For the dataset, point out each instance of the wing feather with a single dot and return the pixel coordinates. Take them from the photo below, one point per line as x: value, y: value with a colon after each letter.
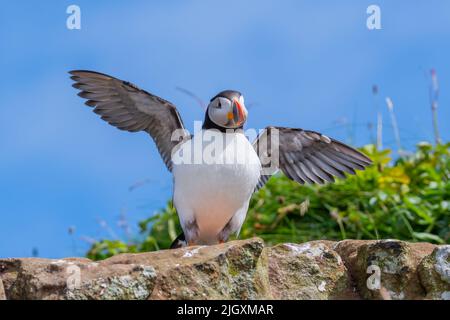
x: 308, y: 156
x: 125, y: 106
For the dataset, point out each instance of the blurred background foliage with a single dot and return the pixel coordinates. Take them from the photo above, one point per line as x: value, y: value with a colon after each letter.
x: 407, y: 199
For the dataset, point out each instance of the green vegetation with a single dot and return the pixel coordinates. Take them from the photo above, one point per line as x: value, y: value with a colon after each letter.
x: 408, y: 199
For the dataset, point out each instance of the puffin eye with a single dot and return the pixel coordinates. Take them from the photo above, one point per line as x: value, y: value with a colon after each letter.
x: 219, y: 105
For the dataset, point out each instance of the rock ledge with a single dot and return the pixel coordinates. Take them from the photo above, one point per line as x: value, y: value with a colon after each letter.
x: 244, y: 269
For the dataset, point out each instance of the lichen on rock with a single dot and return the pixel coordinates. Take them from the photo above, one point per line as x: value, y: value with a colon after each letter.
x: 434, y: 272
x: 307, y: 271
x: 397, y: 262
x: 130, y: 284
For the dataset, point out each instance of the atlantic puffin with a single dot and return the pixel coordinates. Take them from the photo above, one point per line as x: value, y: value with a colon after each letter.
x: 212, y: 197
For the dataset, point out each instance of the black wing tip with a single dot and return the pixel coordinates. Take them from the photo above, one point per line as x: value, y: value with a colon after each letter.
x: 90, y: 103
x: 79, y: 73
x: 364, y: 158
x: 367, y: 160
x: 75, y: 71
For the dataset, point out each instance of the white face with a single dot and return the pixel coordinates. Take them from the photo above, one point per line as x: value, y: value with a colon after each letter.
x: 226, y: 113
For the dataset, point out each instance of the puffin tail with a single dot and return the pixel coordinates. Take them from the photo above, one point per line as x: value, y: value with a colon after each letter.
x: 179, y: 242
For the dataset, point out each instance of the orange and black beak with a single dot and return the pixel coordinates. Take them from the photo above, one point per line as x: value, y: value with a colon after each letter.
x: 239, y: 114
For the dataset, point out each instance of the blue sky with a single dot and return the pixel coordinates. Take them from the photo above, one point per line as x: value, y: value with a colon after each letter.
x: 308, y: 64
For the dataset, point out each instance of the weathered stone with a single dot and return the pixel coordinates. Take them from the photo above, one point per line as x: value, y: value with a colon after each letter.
x: 71, y: 279
x: 307, y: 271
x: 387, y: 269
x: 228, y: 271
x: 434, y: 272
x: 240, y: 270
x: 2, y: 291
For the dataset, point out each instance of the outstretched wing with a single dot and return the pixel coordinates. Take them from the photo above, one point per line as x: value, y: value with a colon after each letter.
x: 306, y: 156
x: 125, y: 106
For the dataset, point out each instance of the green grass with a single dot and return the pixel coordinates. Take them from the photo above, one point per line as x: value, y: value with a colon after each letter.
x: 408, y: 199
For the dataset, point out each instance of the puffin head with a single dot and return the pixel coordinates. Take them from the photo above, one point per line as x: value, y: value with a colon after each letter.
x: 226, y: 110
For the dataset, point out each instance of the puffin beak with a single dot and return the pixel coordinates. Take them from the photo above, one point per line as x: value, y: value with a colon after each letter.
x: 238, y: 113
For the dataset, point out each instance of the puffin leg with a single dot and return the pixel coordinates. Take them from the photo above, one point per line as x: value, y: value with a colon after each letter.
x: 191, y: 233
x: 223, y: 236
x: 233, y: 226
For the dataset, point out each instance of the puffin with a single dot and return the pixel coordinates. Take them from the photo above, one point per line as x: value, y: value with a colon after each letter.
x: 217, y: 170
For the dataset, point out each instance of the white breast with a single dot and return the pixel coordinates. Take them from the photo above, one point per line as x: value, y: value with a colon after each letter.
x: 221, y: 180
